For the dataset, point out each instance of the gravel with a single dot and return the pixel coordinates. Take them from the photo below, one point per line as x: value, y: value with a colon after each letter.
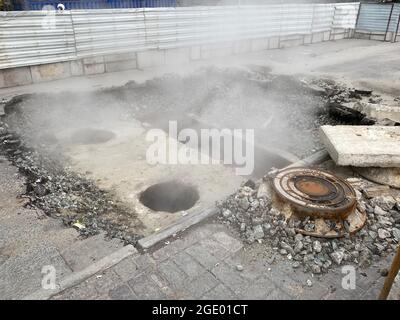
x: 376, y: 239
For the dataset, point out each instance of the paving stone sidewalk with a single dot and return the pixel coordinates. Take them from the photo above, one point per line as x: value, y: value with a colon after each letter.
x: 210, y: 263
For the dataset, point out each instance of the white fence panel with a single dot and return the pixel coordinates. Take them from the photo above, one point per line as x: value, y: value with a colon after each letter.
x: 32, y: 37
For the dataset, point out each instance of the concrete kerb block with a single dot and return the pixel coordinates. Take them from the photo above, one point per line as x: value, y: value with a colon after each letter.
x: 78, y: 277
x: 93, y: 65
x: 177, y: 56
x: 93, y: 60
x: 120, y: 65
x: 51, y: 71
x: 150, y: 58
x: 16, y: 77
x: 273, y: 43
x: 97, y: 68
x: 289, y: 42
x: 127, y: 56
x: 317, y: 37
x: 76, y: 68
x: 376, y: 37
x: 2, y: 82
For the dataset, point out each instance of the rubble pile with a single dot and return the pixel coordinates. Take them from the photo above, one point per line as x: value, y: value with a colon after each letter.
x: 61, y: 193
x: 250, y: 211
x: 347, y: 105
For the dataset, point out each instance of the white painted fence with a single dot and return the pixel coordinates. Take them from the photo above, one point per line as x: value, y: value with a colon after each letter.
x: 34, y: 37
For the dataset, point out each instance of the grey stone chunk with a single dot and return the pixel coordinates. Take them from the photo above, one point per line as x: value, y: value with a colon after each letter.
x: 122, y: 293
x: 396, y: 233
x: 383, y: 233
x: 337, y: 257
x: 258, y: 232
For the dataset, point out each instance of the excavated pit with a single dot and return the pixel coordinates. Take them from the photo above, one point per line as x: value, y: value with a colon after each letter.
x: 85, y: 153
x: 171, y: 196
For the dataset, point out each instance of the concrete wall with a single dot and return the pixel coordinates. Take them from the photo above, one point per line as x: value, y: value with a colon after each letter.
x: 155, y: 58
x: 378, y: 36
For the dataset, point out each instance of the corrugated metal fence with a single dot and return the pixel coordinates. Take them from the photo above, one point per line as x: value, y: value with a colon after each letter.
x: 379, y: 18
x: 34, y: 37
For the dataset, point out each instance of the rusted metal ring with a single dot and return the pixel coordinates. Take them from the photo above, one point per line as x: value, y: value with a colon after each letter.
x: 316, y: 193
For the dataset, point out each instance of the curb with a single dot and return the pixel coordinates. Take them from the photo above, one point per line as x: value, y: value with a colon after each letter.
x: 180, y: 225
x: 77, y: 277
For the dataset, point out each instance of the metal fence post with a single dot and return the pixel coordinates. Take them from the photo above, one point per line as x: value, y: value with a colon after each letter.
x: 73, y: 32
x: 390, y: 18
x: 312, y: 23
x: 397, y: 29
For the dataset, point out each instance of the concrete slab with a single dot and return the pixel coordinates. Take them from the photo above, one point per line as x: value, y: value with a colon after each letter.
x: 363, y: 146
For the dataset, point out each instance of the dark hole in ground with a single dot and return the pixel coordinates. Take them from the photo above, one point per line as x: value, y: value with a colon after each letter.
x: 171, y: 196
x: 91, y: 136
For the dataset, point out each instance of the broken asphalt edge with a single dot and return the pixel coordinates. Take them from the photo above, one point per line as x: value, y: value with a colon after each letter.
x: 79, y: 276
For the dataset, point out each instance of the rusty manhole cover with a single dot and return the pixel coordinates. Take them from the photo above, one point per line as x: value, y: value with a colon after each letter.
x: 329, y: 200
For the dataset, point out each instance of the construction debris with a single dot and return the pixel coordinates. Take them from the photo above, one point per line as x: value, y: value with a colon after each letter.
x: 260, y: 220
x: 363, y: 146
